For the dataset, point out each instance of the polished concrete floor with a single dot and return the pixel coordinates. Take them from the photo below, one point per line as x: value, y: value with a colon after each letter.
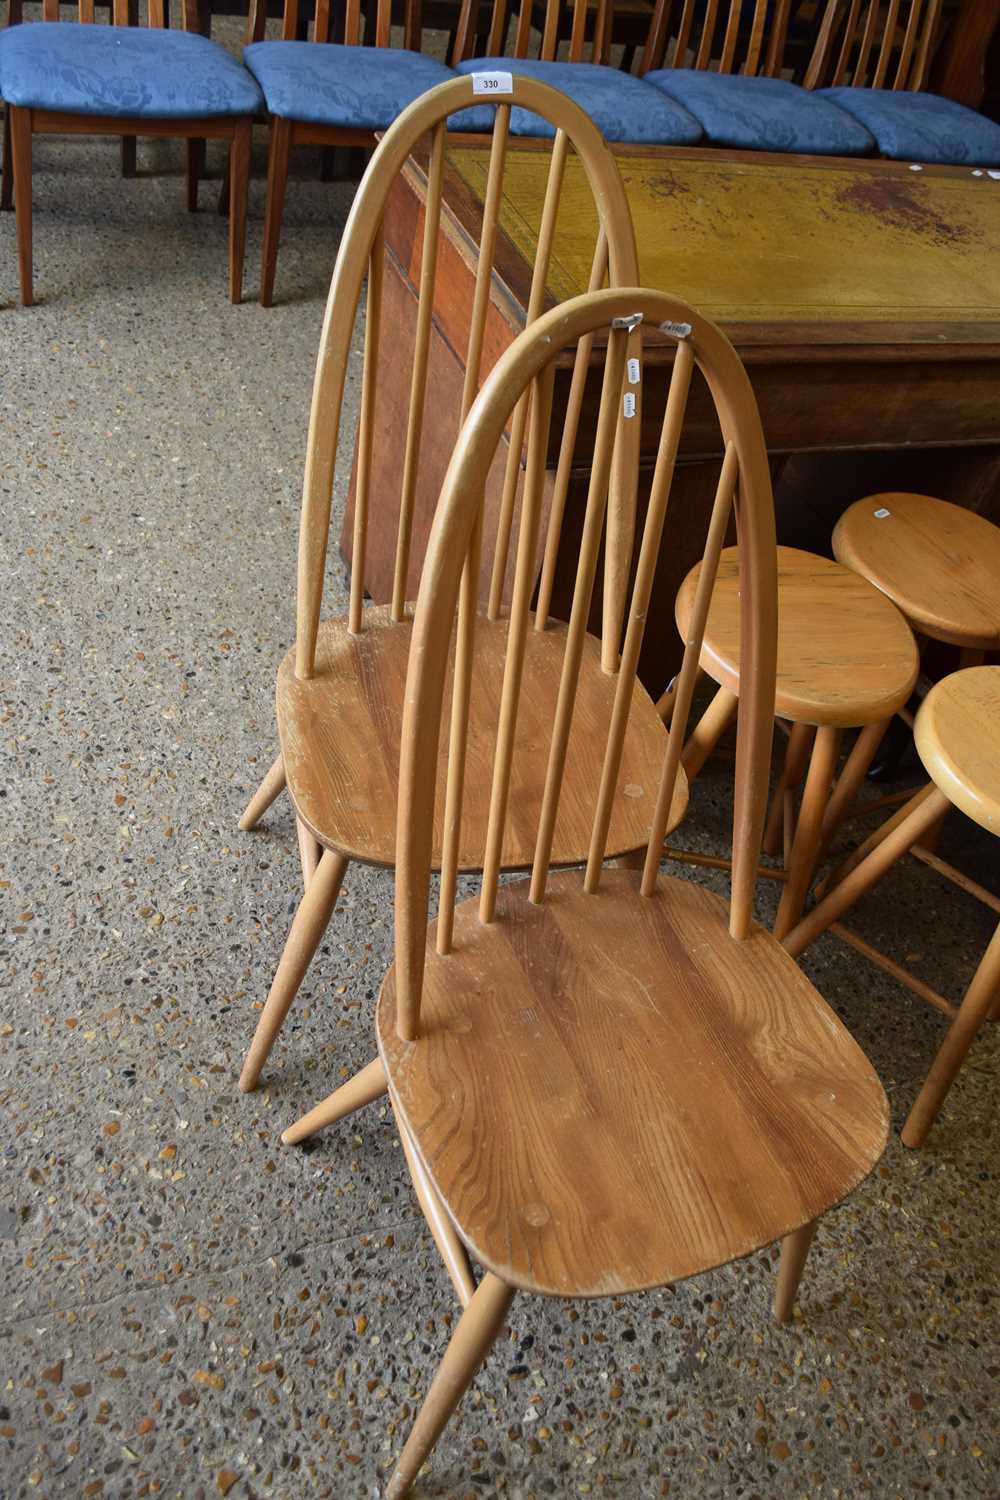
x: 187, y: 1308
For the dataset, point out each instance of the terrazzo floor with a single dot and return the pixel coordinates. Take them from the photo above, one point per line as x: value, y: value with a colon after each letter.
x: 187, y: 1308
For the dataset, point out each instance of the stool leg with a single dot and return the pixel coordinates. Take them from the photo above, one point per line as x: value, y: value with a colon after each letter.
x: 796, y: 756
x: 849, y: 782
x: 978, y: 1002
x: 802, y: 862
x: 708, y: 731
x: 795, y: 1248
x: 873, y: 840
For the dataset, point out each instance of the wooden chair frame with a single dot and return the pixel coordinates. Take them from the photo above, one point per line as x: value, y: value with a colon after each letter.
x: 24, y: 124
x: 857, y: 42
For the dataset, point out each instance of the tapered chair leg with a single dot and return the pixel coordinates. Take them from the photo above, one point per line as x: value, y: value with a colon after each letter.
x: 277, y: 178
x: 239, y: 182
x: 802, y: 860
x: 308, y: 928
x: 310, y: 852
x: 272, y: 786
x: 796, y: 756
x: 130, y: 157
x: 353, y: 1095
x: 195, y: 169
x: 849, y: 782
x: 7, y: 172
x: 974, y: 1010
x: 450, y: 1247
x: 20, y: 142
x: 794, y: 1250
x: 470, y: 1343
x: 708, y: 731
x: 877, y: 836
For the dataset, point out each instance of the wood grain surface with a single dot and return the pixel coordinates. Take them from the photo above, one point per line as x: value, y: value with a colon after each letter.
x: 611, y: 1093
x: 957, y: 734
x: 340, y: 734
x: 938, y: 562
x: 846, y: 656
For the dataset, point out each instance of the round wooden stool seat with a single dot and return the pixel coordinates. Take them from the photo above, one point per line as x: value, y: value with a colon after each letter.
x: 938, y: 562
x: 957, y: 734
x: 846, y: 656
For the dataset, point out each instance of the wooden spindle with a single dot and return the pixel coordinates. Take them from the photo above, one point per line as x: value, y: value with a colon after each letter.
x: 418, y: 382
x: 867, y: 43
x: 670, y: 433
x: 550, y: 32
x: 707, y: 33
x: 541, y: 414
x: 730, y: 38
x: 924, y: 55
x: 597, y: 499
x: 383, y: 23
x: 888, y: 42
x: 690, y: 666
x: 352, y: 23
x: 290, y: 21
x: 366, y: 430
x: 776, y: 44
x: 756, y: 41
x: 847, y: 44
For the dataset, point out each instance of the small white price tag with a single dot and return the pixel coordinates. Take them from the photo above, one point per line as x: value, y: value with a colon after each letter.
x: 629, y: 404
x: 881, y: 513
x: 633, y: 372
x: 492, y: 83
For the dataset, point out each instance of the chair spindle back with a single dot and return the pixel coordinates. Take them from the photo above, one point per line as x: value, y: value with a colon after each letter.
x: 597, y: 20
x: 118, y: 12
x: 878, y: 44
x: 744, y: 36
x: 743, y: 490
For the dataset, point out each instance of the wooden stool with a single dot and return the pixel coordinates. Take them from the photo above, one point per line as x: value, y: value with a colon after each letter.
x: 957, y: 734
x: 846, y: 660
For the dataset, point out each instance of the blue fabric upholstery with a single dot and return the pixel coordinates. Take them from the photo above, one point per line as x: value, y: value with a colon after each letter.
x: 763, y: 114
x: 123, y: 71
x: 921, y: 127
x: 355, y: 88
x: 621, y: 106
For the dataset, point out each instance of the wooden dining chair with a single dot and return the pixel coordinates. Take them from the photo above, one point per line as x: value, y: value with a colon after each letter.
x: 957, y: 734
x: 66, y: 78
x: 724, y: 62
x: 873, y: 60
x: 611, y: 1080
x: 340, y: 691
x: 846, y: 660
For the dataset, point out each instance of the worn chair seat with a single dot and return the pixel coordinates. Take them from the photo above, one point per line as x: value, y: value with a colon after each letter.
x: 340, y: 730
x: 623, y: 107
x: 611, y: 1094
x: 123, y: 71
x: 920, y: 127
x: 753, y: 113
x: 351, y: 88
x: 846, y: 655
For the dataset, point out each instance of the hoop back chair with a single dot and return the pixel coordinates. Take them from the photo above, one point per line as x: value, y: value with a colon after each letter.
x: 121, y: 79
x: 612, y: 1080
x: 340, y: 691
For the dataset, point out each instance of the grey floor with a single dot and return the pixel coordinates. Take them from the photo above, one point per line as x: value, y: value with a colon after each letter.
x: 186, y: 1307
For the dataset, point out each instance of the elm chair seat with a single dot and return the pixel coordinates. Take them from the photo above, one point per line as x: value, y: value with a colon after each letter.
x: 119, y: 71
x: 763, y: 114
x: 921, y: 127
x: 623, y: 107
x: 353, y: 88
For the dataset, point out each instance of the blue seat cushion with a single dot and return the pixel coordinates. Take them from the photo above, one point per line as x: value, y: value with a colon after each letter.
x: 139, y: 72
x: 621, y: 106
x: 354, y: 88
x: 763, y: 114
x: 921, y: 127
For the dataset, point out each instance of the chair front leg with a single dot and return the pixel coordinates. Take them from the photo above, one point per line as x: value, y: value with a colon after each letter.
x: 239, y: 182
x: 7, y: 174
x: 20, y: 141
x: 794, y: 1250
x: 975, y: 1008
x: 470, y: 1343
x: 362, y: 1089
x: 277, y: 179
x: 272, y: 786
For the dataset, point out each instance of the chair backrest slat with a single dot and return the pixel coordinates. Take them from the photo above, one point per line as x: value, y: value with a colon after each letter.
x: 882, y: 43
x: 366, y: 424
x: 751, y: 41
x: 321, y: 21
x: 289, y: 20
x: 50, y: 10
x: 87, y: 13
x: 383, y: 23
x: 352, y: 22
x: 743, y: 489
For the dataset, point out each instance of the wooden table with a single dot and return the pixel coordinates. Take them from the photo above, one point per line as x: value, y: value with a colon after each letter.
x: 864, y: 298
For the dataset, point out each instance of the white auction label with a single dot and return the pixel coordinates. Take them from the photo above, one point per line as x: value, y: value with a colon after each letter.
x: 629, y: 404
x: 881, y: 513
x: 492, y: 83
x: 633, y: 372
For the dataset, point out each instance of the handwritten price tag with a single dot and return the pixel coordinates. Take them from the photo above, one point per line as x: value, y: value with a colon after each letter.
x: 492, y: 83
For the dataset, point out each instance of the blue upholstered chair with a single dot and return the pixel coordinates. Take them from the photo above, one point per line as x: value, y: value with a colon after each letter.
x: 622, y: 107
x: 67, y: 78
x: 321, y: 92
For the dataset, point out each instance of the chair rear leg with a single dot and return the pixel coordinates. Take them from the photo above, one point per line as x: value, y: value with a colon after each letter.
x: 470, y: 1343
x: 272, y: 786
x: 195, y: 171
x: 310, y: 852
x: 975, y: 1008
x: 239, y: 183
x: 364, y: 1088
x: 794, y: 1250
x: 308, y: 927
x: 277, y: 179
x: 20, y: 141
x: 7, y: 173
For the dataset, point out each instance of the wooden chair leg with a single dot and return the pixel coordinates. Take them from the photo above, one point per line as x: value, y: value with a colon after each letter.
x: 796, y: 756
x: 130, y: 159
x: 272, y: 786
x: 20, y: 142
x: 277, y: 179
x: 794, y: 1250
x: 802, y: 860
x: 308, y: 927
x: 708, y: 731
x: 310, y: 852
x: 362, y: 1089
x: 845, y: 792
x: 470, y: 1343
x: 7, y: 171
x: 450, y: 1247
x: 195, y: 169
x: 920, y: 813
x: 239, y: 182
x: 979, y: 1000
